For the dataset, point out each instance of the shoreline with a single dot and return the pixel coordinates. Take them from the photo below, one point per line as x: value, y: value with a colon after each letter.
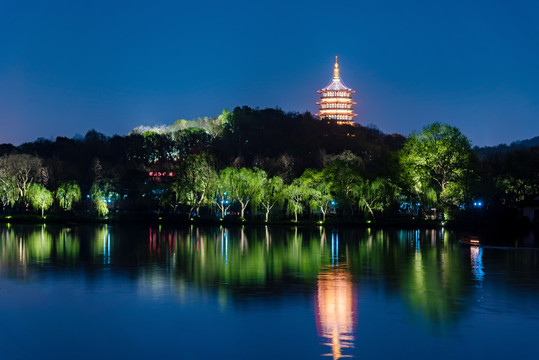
x: 154, y: 219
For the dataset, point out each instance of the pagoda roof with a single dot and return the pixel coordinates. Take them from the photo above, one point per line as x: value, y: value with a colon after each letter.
x: 336, y: 84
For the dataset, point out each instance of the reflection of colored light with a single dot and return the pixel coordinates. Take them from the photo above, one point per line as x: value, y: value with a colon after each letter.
x: 476, y: 255
x: 106, y: 247
x: 336, y: 305
x: 335, y: 249
x: 225, y: 246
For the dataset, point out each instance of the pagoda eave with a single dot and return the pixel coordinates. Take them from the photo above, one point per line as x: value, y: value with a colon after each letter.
x: 349, y: 91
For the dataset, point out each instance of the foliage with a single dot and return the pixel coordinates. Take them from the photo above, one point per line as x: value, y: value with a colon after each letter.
x: 435, y: 168
x: 244, y: 186
x: 319, y: 190
x: 67, y: 194
x: 272, y: 194
x: 8, y: 190
x: 101, y: 206
x: 296, y: 193
x: 221, y: 196
x: 22, y: 169
x: 194, y: 179
x: 103, y: 195
x: 40, y: 197
x: 437, y: 158
x: 344, y: 175
x: 375, y: 195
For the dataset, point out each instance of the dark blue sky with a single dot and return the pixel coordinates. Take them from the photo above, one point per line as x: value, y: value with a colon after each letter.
x: 70, y: 66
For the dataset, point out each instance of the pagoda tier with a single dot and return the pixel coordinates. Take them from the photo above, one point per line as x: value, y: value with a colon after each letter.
x: 336, y: 101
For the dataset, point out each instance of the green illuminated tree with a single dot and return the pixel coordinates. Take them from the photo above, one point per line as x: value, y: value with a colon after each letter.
x: 375, y: 195
x: 220, y: 190
x: 319, y: 190
x: 67, y: 194
x: 272, y: 194
x: 438, y: 158
x: 8, y: 190
x: 244, y: 185
x: 39, y: 197
x: 344, y: 174
x: 296, y: 193
x: 101, y: 206
x: 102, y: 195
x: 195, y: 177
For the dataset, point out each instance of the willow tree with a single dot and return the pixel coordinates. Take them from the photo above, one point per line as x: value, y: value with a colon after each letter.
x: 244, y: 185
x: 220, y: 189
x: 194, y: 180
x: 296, y: 194
x: 101, y: 206
x: 319, y: 193
x: 438, y: 158
x: 67, y: 194
x: 40, y: 197
x: 272, y: 194
x: 375, y: 195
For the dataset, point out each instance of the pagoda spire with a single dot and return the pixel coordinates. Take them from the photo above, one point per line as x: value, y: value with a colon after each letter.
x: 336, y: 69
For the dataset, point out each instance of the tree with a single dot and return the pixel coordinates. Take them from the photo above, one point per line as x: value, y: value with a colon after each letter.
x: 40, y: 197
x: 8, y: 192
x: 243, y: 185
x: 319, y: 193
x: 158, y: 147
x: 296, y: 193
x: 272, y: 193
x: 374, y: 195
x: 438, y: 157
x: 23, y: 169
x: 195, y: 177
x: 102, y: 195
x: 101, y: 206
x: 220, y: 191
x: 344, y: 174
x: 191, y: 140
x: 67, y: 194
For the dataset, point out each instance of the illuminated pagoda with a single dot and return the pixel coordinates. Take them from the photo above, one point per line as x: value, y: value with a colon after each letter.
x: 336, y: 101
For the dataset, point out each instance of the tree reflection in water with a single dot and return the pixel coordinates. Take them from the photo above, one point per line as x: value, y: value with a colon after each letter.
x: 427, y: 270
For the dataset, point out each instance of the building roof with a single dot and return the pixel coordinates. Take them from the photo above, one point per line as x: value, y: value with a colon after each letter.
x: 336, y: 83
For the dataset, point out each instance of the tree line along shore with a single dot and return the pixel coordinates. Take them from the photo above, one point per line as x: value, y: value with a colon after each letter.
x: 262, y: 166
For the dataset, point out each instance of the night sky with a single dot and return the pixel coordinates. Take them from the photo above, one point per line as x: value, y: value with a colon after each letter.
x: 70, y: 66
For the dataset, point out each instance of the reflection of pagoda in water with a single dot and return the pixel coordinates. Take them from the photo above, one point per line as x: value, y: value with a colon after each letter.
x: 336, y: 307
x: 336, y: 101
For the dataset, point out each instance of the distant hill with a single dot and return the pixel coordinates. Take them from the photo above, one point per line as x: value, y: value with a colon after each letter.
x: 483, y: 152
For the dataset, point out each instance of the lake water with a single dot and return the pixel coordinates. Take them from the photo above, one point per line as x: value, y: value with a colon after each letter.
x: 135, y: 292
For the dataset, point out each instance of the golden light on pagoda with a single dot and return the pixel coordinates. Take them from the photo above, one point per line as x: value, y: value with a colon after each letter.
x: 336, y: 310
x: 336, y: 101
